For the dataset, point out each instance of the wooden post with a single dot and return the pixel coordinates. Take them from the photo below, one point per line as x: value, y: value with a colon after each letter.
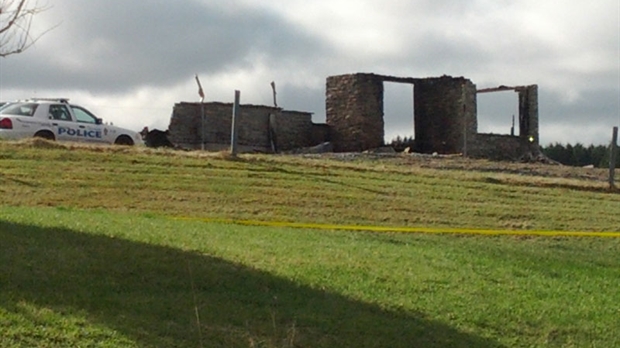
x: 201, y: 93
x: 273, y: 88
x: 233, y: 130
x: 613, y: 149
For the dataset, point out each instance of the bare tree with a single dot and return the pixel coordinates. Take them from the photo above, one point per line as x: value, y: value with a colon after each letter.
x: 15, y: 24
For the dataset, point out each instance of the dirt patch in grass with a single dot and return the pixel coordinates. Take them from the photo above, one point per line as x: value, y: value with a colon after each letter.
x: 457, y: 162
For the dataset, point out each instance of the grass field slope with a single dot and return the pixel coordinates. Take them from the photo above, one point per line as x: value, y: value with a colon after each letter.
x: 93, y: 253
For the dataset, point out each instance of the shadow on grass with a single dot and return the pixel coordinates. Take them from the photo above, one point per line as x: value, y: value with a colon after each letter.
x: 268, y: 168
x: 149, y: 294
x: 602, y: 188
x: 17, y: 181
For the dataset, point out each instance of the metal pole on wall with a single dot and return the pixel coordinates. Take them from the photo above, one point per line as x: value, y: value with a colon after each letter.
x: 233, y: 130
x: 613, y: 149
x: 464, y: 120
x: 201, y: 93
x: 202, y: 117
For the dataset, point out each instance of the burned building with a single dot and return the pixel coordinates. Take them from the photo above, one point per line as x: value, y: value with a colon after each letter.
x: 260, y: 128
x: 445, y: 118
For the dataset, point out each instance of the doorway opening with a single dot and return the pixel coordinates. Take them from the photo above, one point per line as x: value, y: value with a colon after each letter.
x: 398, y: 115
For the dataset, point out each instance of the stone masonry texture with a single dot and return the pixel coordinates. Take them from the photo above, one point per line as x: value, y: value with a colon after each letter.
x: 354, y: 110
x: 445, y: 116
x: 445, y: 120
x: 291, y: 129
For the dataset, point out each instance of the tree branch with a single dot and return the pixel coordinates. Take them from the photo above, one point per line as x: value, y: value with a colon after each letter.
x: 15, y: 25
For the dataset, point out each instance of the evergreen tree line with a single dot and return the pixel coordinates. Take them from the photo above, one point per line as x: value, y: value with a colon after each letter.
x: 579, y: 155
x: 401, y: 143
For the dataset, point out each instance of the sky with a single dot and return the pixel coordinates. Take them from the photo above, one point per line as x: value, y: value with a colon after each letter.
x: 129, y: 62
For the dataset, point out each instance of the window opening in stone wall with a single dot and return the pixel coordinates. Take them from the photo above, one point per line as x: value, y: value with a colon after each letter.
x: 498, y: 112
x: 398, y: 115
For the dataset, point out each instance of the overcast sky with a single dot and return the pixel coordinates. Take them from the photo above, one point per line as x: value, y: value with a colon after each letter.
x: 131, y: 61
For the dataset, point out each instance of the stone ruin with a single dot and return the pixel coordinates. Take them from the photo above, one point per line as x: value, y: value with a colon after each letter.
x: 445, y: 117
x: 260, y: 128
x: 445, y: 120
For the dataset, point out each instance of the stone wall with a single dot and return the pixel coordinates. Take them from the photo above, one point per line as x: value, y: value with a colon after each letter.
x: 528, y: 113
x: 506, y: 147
x: 292, y: 129
x: 445, y: 111
x: 354, y: 111
x: 445, y: 120
x: 495, y: 147
x: 321, y: 133
x: 445, y: 114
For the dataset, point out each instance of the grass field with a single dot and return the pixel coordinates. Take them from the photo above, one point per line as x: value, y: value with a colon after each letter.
x: 90, y: 257
x: 389, y: 192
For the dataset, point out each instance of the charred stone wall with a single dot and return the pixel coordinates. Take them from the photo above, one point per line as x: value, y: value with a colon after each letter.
x: 445, y: 114
x: 291, y: 129
x: 354, y: 111
x: 525, y: 145
x: 321, y: 133
x: 445, y: 120
x: 496, y: 147
x: 528, y: 114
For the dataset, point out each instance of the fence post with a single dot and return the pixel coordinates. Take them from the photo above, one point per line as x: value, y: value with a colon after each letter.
x: 233, y: 130
x: 613, y: 148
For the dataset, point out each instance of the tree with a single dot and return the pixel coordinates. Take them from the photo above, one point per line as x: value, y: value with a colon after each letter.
x: 579, y: 155
x: 15, y: 24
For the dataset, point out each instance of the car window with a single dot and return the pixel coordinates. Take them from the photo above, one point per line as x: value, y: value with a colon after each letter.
x: 83, y: 115
x: 19, y: 109
x: 59, y: 112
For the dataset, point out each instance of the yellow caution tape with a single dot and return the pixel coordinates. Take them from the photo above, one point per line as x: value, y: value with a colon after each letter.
x: 405, y: 229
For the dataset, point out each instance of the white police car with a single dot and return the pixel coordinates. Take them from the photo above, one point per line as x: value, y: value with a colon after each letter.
x: 56, y: 119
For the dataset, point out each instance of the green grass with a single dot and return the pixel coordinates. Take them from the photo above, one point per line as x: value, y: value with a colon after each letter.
x: 88, y: 257
x: 76, y: 278
x: 286, y: 188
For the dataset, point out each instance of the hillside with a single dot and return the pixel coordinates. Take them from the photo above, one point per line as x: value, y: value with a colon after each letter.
x: 125, y: 247
x: 360, y: 189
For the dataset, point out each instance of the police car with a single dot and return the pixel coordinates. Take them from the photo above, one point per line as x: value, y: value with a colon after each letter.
x: 56, y: 119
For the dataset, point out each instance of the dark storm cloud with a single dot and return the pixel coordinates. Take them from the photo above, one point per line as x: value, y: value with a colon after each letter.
x: 302, y: 98
x: 593, y: 106
x: 115, y: 46
x: 110, y: 49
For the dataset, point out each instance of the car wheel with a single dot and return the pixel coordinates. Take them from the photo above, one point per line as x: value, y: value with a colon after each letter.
x: 123, y: 140
x: 47, y: 135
